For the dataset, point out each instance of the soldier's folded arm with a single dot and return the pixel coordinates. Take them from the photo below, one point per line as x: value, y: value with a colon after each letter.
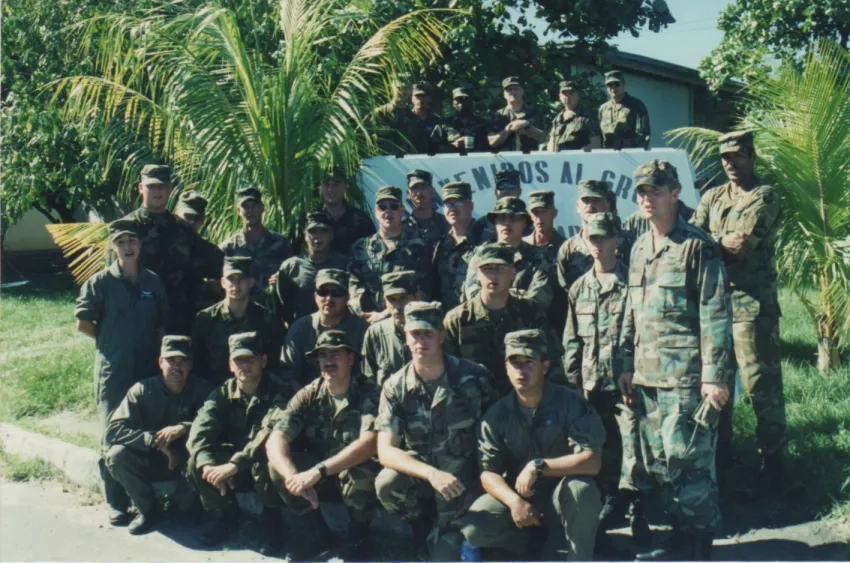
x: 759, y: 218
x: 540, y: 289
x: 715, y: 312
x: 124, y: 427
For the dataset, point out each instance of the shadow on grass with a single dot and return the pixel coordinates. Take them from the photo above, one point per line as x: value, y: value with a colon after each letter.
x: 801, y: 353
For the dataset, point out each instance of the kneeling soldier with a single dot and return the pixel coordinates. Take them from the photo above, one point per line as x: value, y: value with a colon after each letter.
x: 548, y: 441
x: 146, y: 435
x: 226, y: 441
x: 336, y: 416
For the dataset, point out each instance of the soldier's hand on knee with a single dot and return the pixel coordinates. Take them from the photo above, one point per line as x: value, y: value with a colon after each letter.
x: 446, y: 484
x: 716, y: 393
x: 524, y: 515
x: 624, y: 382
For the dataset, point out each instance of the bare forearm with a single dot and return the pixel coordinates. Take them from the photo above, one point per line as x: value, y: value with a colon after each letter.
x: 496, y: 486
x: 277, y: 451
x: 395, y: 458
x: 498, y: 138
x: 583, y: 463
x: 536, y: 134
x: 353, y: 454
x: 88, y: 328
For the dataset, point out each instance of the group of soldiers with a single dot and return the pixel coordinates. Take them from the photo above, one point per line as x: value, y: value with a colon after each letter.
x: 409, y: 123
x: 489, y: 382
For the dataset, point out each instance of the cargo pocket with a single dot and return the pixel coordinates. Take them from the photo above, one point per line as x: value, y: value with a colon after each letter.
x: 672, y: 293
x: 745, y: 307
x: 585, y: 319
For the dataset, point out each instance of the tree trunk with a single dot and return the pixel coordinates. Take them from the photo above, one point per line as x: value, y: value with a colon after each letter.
x: 827, y: 346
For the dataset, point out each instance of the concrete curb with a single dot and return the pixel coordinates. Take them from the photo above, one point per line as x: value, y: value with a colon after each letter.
x: 77, y: 463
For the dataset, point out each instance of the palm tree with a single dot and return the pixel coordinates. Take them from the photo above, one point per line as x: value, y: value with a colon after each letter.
x: 801, y: 120
x: 193, y: 88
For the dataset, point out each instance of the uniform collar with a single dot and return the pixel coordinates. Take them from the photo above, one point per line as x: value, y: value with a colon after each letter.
x: 619, y: 279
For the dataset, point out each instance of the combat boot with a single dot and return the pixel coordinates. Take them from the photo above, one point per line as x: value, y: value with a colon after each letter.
x: 358, y: 544
x: 638, y: 523
x: 271, y: 528
x: 119, y: 518
x: 702, y: 546
x: 319, y: 540
x: 770, y: 478
x: 677, y: 547
x: 145, y: 522
x: 220, y: 530
x: 613, y: 511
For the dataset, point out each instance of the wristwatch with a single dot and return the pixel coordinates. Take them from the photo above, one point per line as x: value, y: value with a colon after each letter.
x: 323, y: 471
x: 539, y: 466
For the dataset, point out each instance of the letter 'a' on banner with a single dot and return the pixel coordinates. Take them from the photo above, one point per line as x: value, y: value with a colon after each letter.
x: 559, y: 172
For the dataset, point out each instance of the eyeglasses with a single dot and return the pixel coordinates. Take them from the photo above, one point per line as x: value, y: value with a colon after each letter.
x: 613, y: 84
x: 336, y: 292
x: 454, y: 204
x: 389, y: 206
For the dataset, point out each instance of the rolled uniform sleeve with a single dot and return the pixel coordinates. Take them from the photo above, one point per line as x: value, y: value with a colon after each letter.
x: 369, y: 410
x: 715, y: 312
x: 391, y: 417
x: 759, y: 218
x: 491, y: 450
x: 291, y: 419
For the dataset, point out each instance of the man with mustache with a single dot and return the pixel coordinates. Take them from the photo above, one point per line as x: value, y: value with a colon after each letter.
x: 430, y: 225
x: 454, y: 251
x: 384, y: 350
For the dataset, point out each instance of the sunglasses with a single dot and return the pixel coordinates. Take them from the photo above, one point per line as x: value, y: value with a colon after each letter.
x: 454, y: 204
x: 614, y: 84
x: 389, y: 206
x: 336, y: 292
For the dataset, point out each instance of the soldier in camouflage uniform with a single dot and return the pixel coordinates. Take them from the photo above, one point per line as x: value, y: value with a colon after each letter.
x: 623, y: 119
x: 192, y: 208
x: 538, y: 450
x: 335, y: 416
x: 170, y: 248
x: 508, y: 184
x: 476, y: 329
x: 743, y: 216
x: 531, y: 263
x: 268, y: 249
x: 236, y: 313
x: 426, y: 435
x: 392, y: 249
x: 674, y: 361
x: 124, y: 309
x: 419, y: 127
x: 541, y: 207
x: 430, y: 225
x: 455, y: 249
x: 465, y: 131
x: 575, y: 128
x: 384, y: 350
x: 596, y: 309
x: 146, y: 435
x: 226, y: 453
x: 637, y: 224
x: 331, y: 298
x: 296, y: 280
x: 517, y: 126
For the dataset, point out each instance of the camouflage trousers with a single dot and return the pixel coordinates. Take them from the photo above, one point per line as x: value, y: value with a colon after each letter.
x: 356, y: 485
x: 137, y: 470
x: 570, y: 507
x: 257, y: 479
x: 756, y: 346
x: 679, y: 455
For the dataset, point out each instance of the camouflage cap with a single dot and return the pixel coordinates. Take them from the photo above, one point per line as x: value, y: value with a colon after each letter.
x: 603, y: 225
x: 248, y: 193
x: 614, y: 76
x: 192, y: 203
x: 507, y: 179
x: 422, y: 89
x: 319, y: 220
x: 245, y: 344
x: 420, y: 315
x: 330, y: 340
x: 510, y: 81
x: 568, y: 85
x: 462, y: 92
x: 529, y: 343
x: 153, y: 174
x: 175, y: 345
x: 457, y: 190
x: 332, y: 276
x: 508, y: 206
x: 541, y: 198
x: 400, y: 283
x: 243, y: 265
x: 418, y: 177
x: 737, y: 141
x: 388, y: 192
x: 656, y: 173
x: 122, y: 227
x: 494, y: 253
x: 594, y: 188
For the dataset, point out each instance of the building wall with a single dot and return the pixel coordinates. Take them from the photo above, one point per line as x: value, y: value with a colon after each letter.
x: 29, y: 234
x: 669, y: 104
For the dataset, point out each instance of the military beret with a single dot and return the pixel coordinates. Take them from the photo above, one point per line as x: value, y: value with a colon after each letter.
x: 122, y: 227
x: 594, y: 188
x: 420, y: 315
x: 248, y: 193
x: 507, y: 179
x: 603, y: 225
x: 422, y: 88
x: 494, y: 253
x: 529, y: 343
x: 568, y: 85
x: 457, y: 190
x: 510, y: 81
x: 332, y: 276
x: 656, y: 173
x: 330, y: 340
x: 737, y: 141
x: 508, y: 206
x: 153, y: 174
x: 245, y: 344
x: 541, y: 198
x: 418, y: 177
x: 319, y: 220
x: 192, y: 203
x: 238, y: 265
x: 614, y: 76
x: 388, y: 192
x: 461, y: 93
x: 174, y: 345
x: 400, y: 283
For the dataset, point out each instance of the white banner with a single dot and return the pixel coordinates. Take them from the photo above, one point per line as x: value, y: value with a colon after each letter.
x: 559, y: 172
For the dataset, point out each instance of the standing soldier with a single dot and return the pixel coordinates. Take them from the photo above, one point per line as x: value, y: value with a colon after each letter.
x: 674, y: 354
x: 637, y: 224
x: 623, y: 119
x: 426, y: 435
x: 335, y: 417
x: 392, y: 249
x: 124, y: 308
x: 575, y: 128
x: 596, y: 310
x: 235, y: 314
x: 538, y: 450
x: 507, y: 185
x: 384, y: 351
x: 419, y: 126
x: 267, y: 249
x: 541, y: 207
x: 192, y: 208
x: 455, y: 249
x: 147, y: 433
x: 743, y: 216
x: 226, y: 453
x: 465, y: 131
x: 296, y: 280
x: 430, y: 225
x: 516, y: 127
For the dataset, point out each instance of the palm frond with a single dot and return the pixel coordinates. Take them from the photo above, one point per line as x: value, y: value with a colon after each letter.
x: 84, y: 244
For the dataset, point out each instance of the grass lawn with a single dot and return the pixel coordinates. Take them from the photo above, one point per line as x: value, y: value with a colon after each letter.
x: 47, y: 368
